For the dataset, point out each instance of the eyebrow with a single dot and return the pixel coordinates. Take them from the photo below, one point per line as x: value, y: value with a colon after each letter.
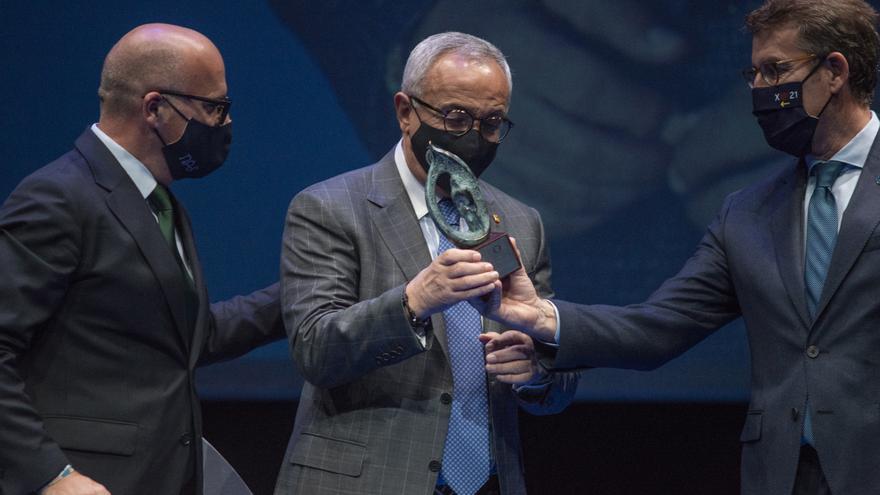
x: 479, y: 115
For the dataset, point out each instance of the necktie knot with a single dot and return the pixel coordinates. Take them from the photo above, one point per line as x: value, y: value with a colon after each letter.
x: 827, y: 172
x: 450, y: 213
x: 160, y: 199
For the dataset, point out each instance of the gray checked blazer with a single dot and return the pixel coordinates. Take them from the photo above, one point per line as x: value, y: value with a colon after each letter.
x: 375, y: 407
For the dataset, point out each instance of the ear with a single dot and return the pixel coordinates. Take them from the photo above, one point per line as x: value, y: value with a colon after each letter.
x: 150, y: 105
x: 839, y: 67
x: 406, y: 117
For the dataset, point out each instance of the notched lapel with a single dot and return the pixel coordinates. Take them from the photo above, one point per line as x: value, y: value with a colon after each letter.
x: 786, y: 224
x: 126, y: 203
x: 133, y: 213
x: 393, y: 217
x: 859, y: 221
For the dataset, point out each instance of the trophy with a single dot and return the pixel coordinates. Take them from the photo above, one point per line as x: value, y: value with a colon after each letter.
x: 464, y: 191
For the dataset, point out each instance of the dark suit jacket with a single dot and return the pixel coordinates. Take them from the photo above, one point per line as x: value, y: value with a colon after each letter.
x: 96, y: 357
x: 375, y: 407
x: 751, y: 263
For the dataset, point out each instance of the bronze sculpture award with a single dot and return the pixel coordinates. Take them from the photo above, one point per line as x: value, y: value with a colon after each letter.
x: 463, y: 189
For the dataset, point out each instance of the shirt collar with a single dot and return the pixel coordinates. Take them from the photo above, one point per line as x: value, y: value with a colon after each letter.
x: 414, y: 189
x: 140, y: 175
x: 855, y: 153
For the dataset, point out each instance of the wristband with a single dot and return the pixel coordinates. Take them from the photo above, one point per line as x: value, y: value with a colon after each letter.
x: 414, y: 321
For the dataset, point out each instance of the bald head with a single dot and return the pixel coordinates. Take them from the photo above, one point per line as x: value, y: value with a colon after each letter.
x: 150, y: 57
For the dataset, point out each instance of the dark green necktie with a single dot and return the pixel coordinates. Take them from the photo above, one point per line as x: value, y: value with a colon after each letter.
x: 160, y: 201
x: 164, y: 209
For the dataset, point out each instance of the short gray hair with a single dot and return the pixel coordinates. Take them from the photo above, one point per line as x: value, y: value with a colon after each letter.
x: 423, y: 56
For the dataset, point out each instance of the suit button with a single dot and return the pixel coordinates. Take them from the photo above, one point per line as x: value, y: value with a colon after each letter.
x: 186, y: 439
x: 812, y: 352
x: 795, y: 413
x: 445, y: 398
x: 435, y: 466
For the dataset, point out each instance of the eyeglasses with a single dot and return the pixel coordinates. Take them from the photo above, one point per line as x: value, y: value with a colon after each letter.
x: 458, y: 122
x: 217, y: 108
x: 772, y: 72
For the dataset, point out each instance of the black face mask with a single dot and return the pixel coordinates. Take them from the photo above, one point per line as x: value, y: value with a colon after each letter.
x: 781, y: 115
x: 471, y: 147
x: 201, y: 149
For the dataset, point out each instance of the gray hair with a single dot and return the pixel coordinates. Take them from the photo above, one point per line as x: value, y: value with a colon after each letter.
x: 423, y: 56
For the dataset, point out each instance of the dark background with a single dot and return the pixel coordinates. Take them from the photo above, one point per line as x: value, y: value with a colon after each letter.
x: 632, y: 124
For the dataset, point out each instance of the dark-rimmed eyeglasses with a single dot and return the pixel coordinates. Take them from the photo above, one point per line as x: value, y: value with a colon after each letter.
x: 217, y: 108
x: 772, y: 72
x: 458, y: 122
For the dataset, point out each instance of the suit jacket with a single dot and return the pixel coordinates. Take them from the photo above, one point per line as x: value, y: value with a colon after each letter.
x: 375, y: 407
x: 751, y: 263
x: 97, y: 359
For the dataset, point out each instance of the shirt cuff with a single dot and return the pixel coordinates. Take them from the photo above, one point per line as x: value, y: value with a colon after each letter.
x: 423, y: 339
x: 67, y: 471
x: 540, y: 382
x: 555, y: 342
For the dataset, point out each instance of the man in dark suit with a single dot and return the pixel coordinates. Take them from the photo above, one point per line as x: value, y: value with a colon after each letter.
x: 104, y: 314
x: 797, y: 255
x: 396, y: 399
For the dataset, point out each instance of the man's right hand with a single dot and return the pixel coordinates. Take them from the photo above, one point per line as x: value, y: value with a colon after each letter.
x: 454, y: 276
x: 75, y: 484
x: 516, y: 304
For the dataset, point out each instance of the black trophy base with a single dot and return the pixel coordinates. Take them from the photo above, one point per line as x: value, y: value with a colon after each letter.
x: 498, y: 250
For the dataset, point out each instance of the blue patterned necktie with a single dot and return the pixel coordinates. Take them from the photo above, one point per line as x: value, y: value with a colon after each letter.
x: 466, y: 460
x: 821, y: 238
x: 821, y: 231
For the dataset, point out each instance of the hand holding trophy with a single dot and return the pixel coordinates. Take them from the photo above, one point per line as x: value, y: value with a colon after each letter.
x: 454, y: 177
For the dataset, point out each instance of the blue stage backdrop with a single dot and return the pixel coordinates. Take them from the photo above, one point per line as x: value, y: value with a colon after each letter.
x: 632, y: 124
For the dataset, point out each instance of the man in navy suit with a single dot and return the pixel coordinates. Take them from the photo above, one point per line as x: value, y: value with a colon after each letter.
x: 104, y: 314
x: 797, y: 255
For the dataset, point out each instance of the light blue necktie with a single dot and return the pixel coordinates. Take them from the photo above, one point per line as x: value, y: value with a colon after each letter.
x: 466, y: 460
x: 821, y: 238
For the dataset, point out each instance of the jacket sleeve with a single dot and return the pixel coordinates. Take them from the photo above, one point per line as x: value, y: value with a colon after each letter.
x: 682, y: 312
x: 243, y: 323
x: 557, y: 389
x: 39, y: 250
x: 334, y: 336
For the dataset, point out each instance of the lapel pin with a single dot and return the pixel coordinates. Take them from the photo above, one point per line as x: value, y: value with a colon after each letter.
x: 497, y: 219
x: 877, y: 180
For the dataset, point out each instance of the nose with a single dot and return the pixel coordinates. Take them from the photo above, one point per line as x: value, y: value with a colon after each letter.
x: 758, y: 81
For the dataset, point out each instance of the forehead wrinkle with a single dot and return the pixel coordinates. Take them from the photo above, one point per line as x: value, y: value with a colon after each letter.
x: 475, y: 85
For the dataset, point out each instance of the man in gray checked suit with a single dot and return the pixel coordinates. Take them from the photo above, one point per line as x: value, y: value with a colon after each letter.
x: 375, y: 302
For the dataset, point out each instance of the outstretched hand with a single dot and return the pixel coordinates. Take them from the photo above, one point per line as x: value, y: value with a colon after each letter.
x: 515, y: 303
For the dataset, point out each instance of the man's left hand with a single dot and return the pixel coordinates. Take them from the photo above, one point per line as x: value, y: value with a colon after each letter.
x: 510, y: 356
